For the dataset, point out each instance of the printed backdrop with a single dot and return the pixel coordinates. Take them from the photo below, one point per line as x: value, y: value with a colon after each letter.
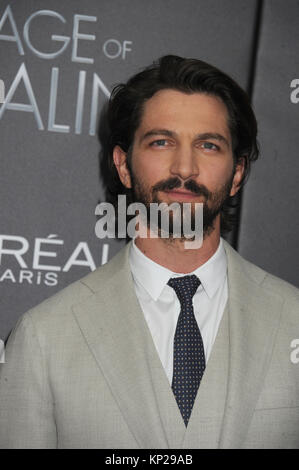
x: 59, y: 61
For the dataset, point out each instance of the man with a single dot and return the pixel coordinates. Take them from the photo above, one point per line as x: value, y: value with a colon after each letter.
x: 163, y: 347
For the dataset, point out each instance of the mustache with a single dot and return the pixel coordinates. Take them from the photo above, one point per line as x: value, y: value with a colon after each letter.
x: 175, y: 183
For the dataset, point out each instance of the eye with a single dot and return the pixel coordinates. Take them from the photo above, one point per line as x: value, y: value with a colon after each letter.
x: 159, y: 143
x: 210, y: 146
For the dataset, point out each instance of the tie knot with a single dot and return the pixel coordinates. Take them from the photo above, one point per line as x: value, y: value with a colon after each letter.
x: 184, y: 287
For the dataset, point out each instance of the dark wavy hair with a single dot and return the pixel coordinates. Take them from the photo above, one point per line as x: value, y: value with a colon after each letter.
x: 127, y: 102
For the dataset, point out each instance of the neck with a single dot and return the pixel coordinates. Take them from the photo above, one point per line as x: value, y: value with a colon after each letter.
x: 174, y: 256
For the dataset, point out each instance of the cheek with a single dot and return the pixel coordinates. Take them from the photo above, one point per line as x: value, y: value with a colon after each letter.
x: 217, y: 173
x: 143, y: 179
x: 149, y: 170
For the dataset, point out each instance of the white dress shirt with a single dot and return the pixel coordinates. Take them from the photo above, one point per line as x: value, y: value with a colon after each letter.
x: 161, y: 306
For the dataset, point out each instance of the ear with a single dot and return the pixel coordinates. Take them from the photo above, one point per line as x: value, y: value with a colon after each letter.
x: 120, y: 161
x: 239, y: 171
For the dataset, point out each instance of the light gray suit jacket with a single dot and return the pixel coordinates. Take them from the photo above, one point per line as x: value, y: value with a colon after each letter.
x: 82, y: 371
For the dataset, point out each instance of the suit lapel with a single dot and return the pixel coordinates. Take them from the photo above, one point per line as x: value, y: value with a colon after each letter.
x: 116, y: 332
x: 254, y: 315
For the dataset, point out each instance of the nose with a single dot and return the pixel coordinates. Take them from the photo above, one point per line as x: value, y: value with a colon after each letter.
x: 184, y: 163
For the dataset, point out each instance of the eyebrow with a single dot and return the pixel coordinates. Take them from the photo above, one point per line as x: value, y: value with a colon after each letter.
x: 168, y: 133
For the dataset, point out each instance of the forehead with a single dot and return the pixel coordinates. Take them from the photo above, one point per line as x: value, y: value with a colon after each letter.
x: 182, y: 112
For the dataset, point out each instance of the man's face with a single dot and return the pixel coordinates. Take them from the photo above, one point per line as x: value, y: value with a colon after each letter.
x: 182, y: 152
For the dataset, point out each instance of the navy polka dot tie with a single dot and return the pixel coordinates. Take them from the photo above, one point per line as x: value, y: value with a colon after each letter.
x: 188, y: 351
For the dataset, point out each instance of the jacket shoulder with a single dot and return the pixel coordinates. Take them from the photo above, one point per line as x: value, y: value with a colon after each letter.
x: 280, y: 289
x: 60, y: 304
x: 271, y: 282
x: 260, y: 276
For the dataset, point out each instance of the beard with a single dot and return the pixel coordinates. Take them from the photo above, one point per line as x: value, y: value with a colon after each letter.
x: 213, y: 202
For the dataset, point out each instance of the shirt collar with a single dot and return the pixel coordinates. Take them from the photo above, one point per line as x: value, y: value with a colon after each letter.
x: 154, y: 277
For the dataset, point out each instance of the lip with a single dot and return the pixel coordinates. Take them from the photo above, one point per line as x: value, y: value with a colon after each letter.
x: 181, y: 194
